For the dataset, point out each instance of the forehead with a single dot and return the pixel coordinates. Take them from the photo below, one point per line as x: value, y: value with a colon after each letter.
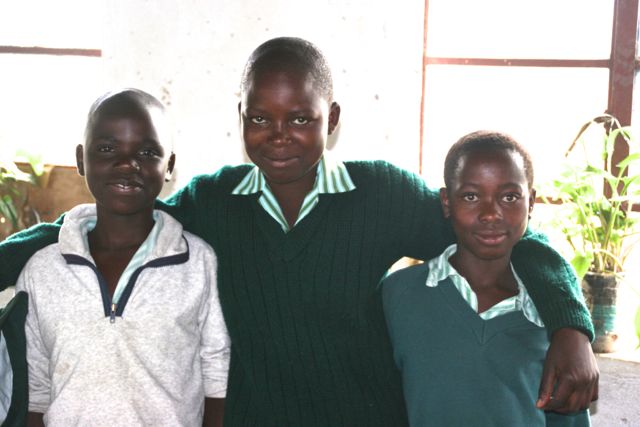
x: 151, y: 117
x: 507, y: 165
x: 146, y: 120
x: 292, y: 80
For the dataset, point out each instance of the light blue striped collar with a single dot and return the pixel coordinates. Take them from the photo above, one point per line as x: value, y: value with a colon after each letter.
x: 138, y: 258
x: 331, y: 177
x: 440, y: 269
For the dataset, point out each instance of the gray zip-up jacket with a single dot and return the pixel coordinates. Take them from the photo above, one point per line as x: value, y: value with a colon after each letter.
x: 151, y: 360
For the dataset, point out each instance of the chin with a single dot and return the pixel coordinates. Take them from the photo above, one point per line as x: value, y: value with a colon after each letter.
x: 493, y: 255
x: 126, y: 209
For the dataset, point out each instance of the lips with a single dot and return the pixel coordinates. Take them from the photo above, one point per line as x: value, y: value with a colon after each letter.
x: 280, y: 161
x: 491, y: 238
x: 125, y: 186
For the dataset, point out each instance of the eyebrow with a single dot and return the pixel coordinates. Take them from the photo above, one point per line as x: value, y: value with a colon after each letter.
x: 504, y: 185
x: 111, y: 138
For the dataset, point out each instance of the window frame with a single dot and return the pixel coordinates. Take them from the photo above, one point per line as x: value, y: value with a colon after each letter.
x: 622, y: 65
x: 38, y: 50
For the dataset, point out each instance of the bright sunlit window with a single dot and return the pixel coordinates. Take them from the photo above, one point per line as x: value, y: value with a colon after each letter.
x: 51, y: 72
x: 536, y: 70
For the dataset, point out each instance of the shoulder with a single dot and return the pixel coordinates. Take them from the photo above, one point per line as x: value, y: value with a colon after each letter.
x: 223, y: 180
x: 381, y: 173
x: 402, y: 283
x: 173, y: 233
x: 373, y: 167
x: 198, y: 246
x: 42, y: 266
x: 44, y: 257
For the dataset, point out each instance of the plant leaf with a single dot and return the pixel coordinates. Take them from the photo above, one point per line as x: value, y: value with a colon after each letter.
x: 581, y: 263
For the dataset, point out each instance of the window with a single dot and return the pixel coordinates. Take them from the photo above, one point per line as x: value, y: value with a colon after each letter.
x: 54, y: 57
x: 538, y: 74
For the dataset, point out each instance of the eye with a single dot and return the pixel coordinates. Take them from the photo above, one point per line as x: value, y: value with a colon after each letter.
x: 511, y: 197
x: 105, y: 148
x: 469, y: 197
x: 258, y: 120
x: 300, y: 121
x: 149, y: 152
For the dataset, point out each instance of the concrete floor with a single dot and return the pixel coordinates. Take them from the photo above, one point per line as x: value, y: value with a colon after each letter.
x: 619, y: 402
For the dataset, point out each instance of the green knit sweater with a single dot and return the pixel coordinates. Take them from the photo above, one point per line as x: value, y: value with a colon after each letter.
x: 309, y: 341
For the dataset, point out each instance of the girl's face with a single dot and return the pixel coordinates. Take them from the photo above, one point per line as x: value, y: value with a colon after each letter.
x: 285, y: 123
x: 489, y: 203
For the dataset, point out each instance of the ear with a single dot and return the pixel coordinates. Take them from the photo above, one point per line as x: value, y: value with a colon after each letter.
x: 532, y: 200
x: 80, y: 159
x: 334, y: 116
x: 170, y: 166
x: 444, y: 199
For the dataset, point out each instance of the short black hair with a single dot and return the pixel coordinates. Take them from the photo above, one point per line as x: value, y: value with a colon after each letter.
x: 290, y: 53
x: 122, y: 102
x: 484, y: 141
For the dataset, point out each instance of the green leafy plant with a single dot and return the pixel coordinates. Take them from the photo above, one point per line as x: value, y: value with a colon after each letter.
x: 15, y: 211
x: 597, y: 197
x: 600, y: 228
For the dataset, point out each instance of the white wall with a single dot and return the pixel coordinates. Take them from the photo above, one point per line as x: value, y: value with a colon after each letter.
x: 194, y: 51
x: 191, y: 54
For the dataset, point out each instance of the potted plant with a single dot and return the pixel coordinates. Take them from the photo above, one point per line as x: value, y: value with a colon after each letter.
x: 596, y: 215
x: 15, y: 211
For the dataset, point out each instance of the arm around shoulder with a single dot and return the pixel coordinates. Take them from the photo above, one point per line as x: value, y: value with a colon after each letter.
x: 194, y: 203
x: 570, y: 375
x: 16, y: 250
x: 552, y: 285
x: 415, y: 210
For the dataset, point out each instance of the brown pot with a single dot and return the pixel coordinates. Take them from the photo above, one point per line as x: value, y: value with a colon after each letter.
x: 601, y: 293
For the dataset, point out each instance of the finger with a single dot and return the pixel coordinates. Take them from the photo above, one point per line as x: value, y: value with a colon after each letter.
x: 578, y: 399
x: 546, y: 387
x: 582, y: 396
x: 560, y: 396
x: 596, y: 390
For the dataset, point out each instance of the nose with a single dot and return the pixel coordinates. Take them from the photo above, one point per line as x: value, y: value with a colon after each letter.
x: 279, y: 133
x: 127, y: 164
x: 490, y: 211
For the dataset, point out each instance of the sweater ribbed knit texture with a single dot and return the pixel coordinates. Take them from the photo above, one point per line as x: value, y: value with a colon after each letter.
x: 309, y: 343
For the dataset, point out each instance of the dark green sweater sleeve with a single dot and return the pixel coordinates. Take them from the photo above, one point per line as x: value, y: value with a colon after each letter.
x: 184, y: 204
x: 190, y: 206
x: 16, y: 250
x: 195, y: 203
x: 548, y: 277
x: 551, y: 283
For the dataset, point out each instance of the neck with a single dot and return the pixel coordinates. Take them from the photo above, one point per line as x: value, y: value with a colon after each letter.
x: 290, y: 195
x: 484, y: 274
x: 120, y: 232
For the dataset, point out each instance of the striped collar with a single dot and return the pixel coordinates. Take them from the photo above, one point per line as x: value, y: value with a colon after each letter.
x: 440, y: 269
x: 85, y: 218
x: 331, y: 177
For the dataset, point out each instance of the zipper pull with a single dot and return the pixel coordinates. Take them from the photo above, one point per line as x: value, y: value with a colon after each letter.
x: 112, y: 317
